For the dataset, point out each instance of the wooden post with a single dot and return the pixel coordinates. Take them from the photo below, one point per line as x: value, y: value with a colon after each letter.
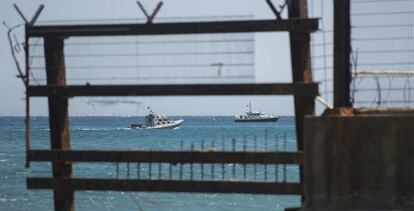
x: 301, y: 70
x: 58, y: 118
x: 342, y: 51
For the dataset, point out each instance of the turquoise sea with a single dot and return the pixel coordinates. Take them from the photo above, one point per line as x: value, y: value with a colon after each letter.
x: 114, y: 133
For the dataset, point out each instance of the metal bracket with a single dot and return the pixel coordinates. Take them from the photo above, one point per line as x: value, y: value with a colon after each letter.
x: 35, y: 16
x: 16, y: 47
x: 220, y: 66
x: 20, y: 13
x: 151, y: 17
x: 275, y: 11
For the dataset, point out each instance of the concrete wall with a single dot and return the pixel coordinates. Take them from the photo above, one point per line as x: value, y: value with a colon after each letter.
x: 359, y: 161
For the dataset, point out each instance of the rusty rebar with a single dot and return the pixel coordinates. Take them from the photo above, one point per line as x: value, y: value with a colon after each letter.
x: 223, y: 149
x: 127, y: 170
x: 233, y: 143
x: 138, y: 170
x: 150, y: 170
x: 191, y: 164
x: 276, y: 165
x: 159, y: 171
x: 117, y: 170
x: 244, y: 150
x: 265, y: 149
x: 181, y: 165
x: 212, y: 165
x: 202, y: 165
x: 255, y: 149
x: 170, y: 172
x: 284, y: 165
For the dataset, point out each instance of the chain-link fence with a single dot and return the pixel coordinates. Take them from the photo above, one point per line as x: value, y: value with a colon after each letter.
x: 382, y: 39
x: 161, y: 59
x: 322, y: 47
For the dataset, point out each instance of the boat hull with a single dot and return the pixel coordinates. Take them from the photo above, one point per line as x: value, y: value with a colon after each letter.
x: 271, y: 119
x: 174, y: 124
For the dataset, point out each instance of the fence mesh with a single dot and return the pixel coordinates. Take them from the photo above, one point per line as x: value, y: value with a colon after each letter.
x: 322, y: 47
x: 382, y: 59
x: 161, y: 59
x: 382, y: 55
x: 382, y: 39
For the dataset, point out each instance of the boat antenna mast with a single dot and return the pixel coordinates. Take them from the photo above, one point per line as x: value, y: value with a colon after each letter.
x: 250, y: 107
x: 149, y: 110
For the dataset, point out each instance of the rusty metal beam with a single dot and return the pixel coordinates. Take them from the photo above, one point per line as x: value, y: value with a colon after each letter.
x: 167, y: 156
x: 301, y: 67
x: 165, y: 186
x: 342, y: 53
x: 58, y: 118
x: 299, y: 89
x: 301, y: 72
x: 303, y: 25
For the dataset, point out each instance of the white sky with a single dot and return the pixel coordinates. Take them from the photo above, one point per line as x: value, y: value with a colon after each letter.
x: 272, y: 57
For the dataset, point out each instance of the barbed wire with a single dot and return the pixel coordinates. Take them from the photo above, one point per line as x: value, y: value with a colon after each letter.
x: 383, y: 52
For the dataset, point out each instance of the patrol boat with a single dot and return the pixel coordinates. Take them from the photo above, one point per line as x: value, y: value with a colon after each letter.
x: 153, y: 121
x: 255, y: 116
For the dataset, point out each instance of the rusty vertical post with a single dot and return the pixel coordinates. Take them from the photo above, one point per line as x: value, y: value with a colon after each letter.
x: 301, y: 70
x: 342, y: 52
x: 27, y: 121
x: 58, y: 118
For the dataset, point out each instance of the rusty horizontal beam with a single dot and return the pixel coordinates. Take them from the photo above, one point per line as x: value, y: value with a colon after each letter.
x: 166, y: 156
x: 298, y: 89
x: 303, y: 25
x: 164, y: 186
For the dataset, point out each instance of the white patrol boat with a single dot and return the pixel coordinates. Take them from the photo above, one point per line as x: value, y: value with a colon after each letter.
x: 255, y: 116
x: 153, y: 121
